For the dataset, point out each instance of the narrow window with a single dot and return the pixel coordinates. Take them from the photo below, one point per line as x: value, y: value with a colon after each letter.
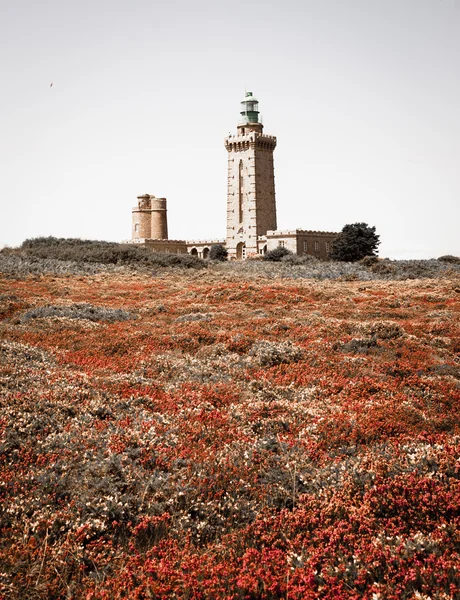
x: 305, y: 247
x: 328, y: 247
x: 136, y: 227
x: 241, y: 192
x: 281, y: 243
x: 316, y: 246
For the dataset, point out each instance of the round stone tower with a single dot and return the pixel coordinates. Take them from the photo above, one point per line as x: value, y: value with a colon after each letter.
x: 150, y: 219
x: 159, y: 220
x: 142, y: 220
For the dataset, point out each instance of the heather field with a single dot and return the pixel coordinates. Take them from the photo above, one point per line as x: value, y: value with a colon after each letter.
x: 229, y: 432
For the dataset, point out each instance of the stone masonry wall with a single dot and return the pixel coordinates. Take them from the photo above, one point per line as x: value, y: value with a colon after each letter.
x: 141, y: 224
x: 265, y: 190
x: 159, y: 224
x: 301, y: 241
x: 174, y: 246
x: 251, y: 206
x: 241, y: 213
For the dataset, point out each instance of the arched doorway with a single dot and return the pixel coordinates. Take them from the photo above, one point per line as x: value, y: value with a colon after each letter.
x: 241, y: 251
x: 205, y: 252
x: 194, y: 252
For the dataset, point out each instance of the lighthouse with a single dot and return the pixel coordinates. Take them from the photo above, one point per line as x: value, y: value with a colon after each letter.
x: 251, y: 204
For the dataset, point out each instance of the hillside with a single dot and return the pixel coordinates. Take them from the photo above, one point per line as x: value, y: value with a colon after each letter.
x: 251, y: 431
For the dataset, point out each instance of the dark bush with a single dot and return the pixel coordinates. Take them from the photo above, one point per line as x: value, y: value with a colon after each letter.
x: 368, y: 261
x: 167, y: 259
x: 293, y: 259
x: 383, y: 267
x: 415, y: 269
x: 448, y: 258
x: 218, y: 252
x: 385, y: 330
x: 277, y: 254
x: 90, y: 251
x: 357, y: 346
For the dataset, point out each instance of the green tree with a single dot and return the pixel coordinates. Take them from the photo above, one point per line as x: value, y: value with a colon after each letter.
x: 218, y: 252
x: 354, y: 242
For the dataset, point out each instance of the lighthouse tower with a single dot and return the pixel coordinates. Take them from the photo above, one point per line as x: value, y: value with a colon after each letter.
x: 251, y: 206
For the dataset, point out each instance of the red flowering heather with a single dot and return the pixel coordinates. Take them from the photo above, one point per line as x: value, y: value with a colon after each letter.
x: 222, y: 435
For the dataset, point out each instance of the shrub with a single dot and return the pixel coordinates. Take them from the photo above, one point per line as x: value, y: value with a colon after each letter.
x: 250, y: 258
x: 218, y: 252
x: 78, y: 311
x: 277, y: 254
x: 445, y: 369
x: 90, y: 251
x: 269, y: 354
x: 448, y: 258
x: 368, y: 261
x: 355, y: 242
x: 293, y: 259
x: 357, y: 346
x: 167, y: 259
x: 416, y: 269
x: 194, y: 317
x: 384, y: 330
x: 382, y: 267
x: 19, y: 265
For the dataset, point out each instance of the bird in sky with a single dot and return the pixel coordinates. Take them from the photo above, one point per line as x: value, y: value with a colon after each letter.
x: 51, y: 84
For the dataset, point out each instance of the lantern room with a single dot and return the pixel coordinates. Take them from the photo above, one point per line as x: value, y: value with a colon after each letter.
x: 249, y: 109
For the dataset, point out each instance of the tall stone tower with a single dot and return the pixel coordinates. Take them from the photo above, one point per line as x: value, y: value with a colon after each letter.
x: 251, y: 206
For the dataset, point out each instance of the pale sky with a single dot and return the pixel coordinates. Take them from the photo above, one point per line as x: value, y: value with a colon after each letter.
x: 363, y: 96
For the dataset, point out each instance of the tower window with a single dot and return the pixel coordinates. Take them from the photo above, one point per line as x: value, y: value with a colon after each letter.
x: 328, y: 247
x: 316, y: 246
x: 136, y: 227
x: 305, y: 246
x: 241, y: 192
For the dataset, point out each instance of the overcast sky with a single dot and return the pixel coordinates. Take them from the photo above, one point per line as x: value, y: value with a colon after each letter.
x: 363, y: 96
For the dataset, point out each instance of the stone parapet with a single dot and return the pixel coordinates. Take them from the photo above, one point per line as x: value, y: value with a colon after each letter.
x: 240, y: 143
x: 202, y: 242
x: 201, y: 248
x: 145, y: 240
x: 300, y: 232
x: 250, y: 137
